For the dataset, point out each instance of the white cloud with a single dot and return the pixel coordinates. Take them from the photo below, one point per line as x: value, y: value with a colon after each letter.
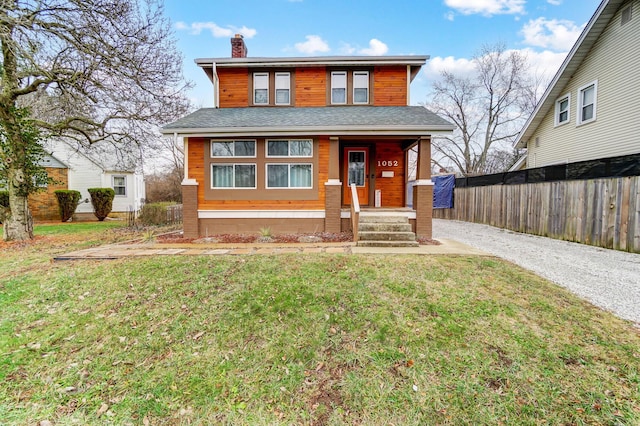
x: 553, y: 34
x: 217, y: 31
x: 449, y: 16
x: 555, y: 2
x: 314, y: 44
x: 346, y: 49
x: 376, y: 48
x: 487, y: 7
x: 543, y: 66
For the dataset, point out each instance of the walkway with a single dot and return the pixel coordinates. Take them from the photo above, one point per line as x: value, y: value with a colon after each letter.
x: 115, y: 251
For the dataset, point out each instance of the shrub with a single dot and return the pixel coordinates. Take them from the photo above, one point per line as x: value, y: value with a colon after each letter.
x: 102, y: 201
x: 154, y: 213
x: 68, y: 200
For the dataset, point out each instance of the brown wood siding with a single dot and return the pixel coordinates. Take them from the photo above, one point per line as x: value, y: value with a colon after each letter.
x: 393, y: 189
x: 234, y: 87
x: 310, y: 87
x: 390, y: 86
x: 197, y: 172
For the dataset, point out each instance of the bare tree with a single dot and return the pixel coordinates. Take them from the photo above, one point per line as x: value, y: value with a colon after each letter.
x: 488, y: 110
x: 88, y: 70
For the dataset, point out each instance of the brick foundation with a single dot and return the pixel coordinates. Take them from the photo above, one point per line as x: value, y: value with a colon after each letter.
x: 44, y: 204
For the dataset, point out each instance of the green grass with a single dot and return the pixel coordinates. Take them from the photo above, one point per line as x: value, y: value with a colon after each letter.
x: 315, y: 339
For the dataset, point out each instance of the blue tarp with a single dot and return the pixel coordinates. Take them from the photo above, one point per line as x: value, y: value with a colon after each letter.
x: 443, y: 191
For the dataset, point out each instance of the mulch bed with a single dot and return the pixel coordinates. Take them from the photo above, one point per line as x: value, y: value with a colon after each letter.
x: 325, y: 237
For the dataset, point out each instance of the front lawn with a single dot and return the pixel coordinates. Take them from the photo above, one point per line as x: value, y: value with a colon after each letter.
x: 314, y: 339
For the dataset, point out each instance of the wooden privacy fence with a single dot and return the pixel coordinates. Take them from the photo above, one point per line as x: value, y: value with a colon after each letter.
x: 600, y: 212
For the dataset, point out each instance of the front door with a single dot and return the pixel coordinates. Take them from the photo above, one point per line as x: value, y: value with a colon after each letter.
x: 356, y: 170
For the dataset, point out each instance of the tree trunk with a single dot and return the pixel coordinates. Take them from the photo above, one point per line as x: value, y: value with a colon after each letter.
x: 18, y: 224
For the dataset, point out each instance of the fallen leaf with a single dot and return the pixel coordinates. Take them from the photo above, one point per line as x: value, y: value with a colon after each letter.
x: 145, y: 421
x: 103, y: 409
x: 198, y: 335
x: 409, y: 363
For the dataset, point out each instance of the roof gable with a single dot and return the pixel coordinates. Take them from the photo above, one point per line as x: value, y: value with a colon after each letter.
x: 576, y: 56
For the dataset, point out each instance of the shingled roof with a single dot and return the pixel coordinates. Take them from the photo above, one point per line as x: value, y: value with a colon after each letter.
x: 396, y: 120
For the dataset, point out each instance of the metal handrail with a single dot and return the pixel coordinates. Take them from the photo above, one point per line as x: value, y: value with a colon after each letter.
x: 355, y: 212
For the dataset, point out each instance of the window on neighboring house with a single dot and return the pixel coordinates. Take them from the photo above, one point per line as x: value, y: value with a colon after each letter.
x: 339, y: 87
x: 283, y: 88
x: 120, y: 185
x: 240, y: 148
x: 562, y: 110
x: 261, y: 88
x: 284, y: 175
x: 587, y: 103
x: 289, y: 148
x: 627, y: 14
x: 360, y: 87
x: 233, y: 176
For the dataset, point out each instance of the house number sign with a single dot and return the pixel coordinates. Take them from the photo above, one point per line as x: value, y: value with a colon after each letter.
x: 387, y: 163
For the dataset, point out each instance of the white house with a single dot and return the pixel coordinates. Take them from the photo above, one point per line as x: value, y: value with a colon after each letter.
x: 99, y: 166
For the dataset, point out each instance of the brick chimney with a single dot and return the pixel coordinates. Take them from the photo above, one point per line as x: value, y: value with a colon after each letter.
x: 238, y: 48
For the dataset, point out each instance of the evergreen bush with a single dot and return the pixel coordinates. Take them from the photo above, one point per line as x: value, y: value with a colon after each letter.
x: 102, y: 201
x: 68, y: 201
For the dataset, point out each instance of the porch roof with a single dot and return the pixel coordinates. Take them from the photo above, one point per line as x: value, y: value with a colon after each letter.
x: 287, y: 121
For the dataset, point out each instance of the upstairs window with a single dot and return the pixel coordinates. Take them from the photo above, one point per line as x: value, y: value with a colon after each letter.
x: 228, y: 149
x: 587, y: 103
x: 283, y: 88
x: 360, y: 87
x: 563, y: 106
x: 339, y: 87
x: 261, y: 88
x: 119, y: 185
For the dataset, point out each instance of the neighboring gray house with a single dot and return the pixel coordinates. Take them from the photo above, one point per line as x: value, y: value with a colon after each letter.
x: 590, y: 110
x: 99, y: 166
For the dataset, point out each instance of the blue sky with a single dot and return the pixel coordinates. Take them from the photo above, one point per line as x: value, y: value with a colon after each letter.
x: 449, y: 31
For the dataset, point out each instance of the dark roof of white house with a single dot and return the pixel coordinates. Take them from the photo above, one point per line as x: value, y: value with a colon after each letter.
x: 340, y: 120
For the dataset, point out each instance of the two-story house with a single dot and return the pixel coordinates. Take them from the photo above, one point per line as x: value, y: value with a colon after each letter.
x: 590, y: 109
x: 287, y: 137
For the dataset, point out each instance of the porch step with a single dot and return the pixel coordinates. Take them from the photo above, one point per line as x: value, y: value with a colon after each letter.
x: 388, y: 244
x: 384, y: 227
x: 385, y: 231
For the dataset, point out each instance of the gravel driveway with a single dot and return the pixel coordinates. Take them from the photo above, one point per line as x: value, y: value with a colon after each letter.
x: 609, y: 279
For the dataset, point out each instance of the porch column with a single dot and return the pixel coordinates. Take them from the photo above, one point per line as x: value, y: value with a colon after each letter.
x: 423, y: 190
x: 333, y: 189
x: 190, y: 226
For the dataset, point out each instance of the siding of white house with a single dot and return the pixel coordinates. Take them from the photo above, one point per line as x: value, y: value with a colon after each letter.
x: 614, y: 63
x: 84, y: 173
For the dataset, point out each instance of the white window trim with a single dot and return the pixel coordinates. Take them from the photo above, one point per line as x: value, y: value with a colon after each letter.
x: 255, y: 148
x: 255, y: 176
x: 579, y: 120
x: 345, y: 87
x: 266, y: 148
x: 260, y: 74
x: 288, y: 87
x: 355, y: 87
x: 266, y: 176
x: 556, y: 119
x: 113, y: 184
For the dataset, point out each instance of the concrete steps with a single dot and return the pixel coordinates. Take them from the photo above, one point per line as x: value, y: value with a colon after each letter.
x: 385, y: 231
